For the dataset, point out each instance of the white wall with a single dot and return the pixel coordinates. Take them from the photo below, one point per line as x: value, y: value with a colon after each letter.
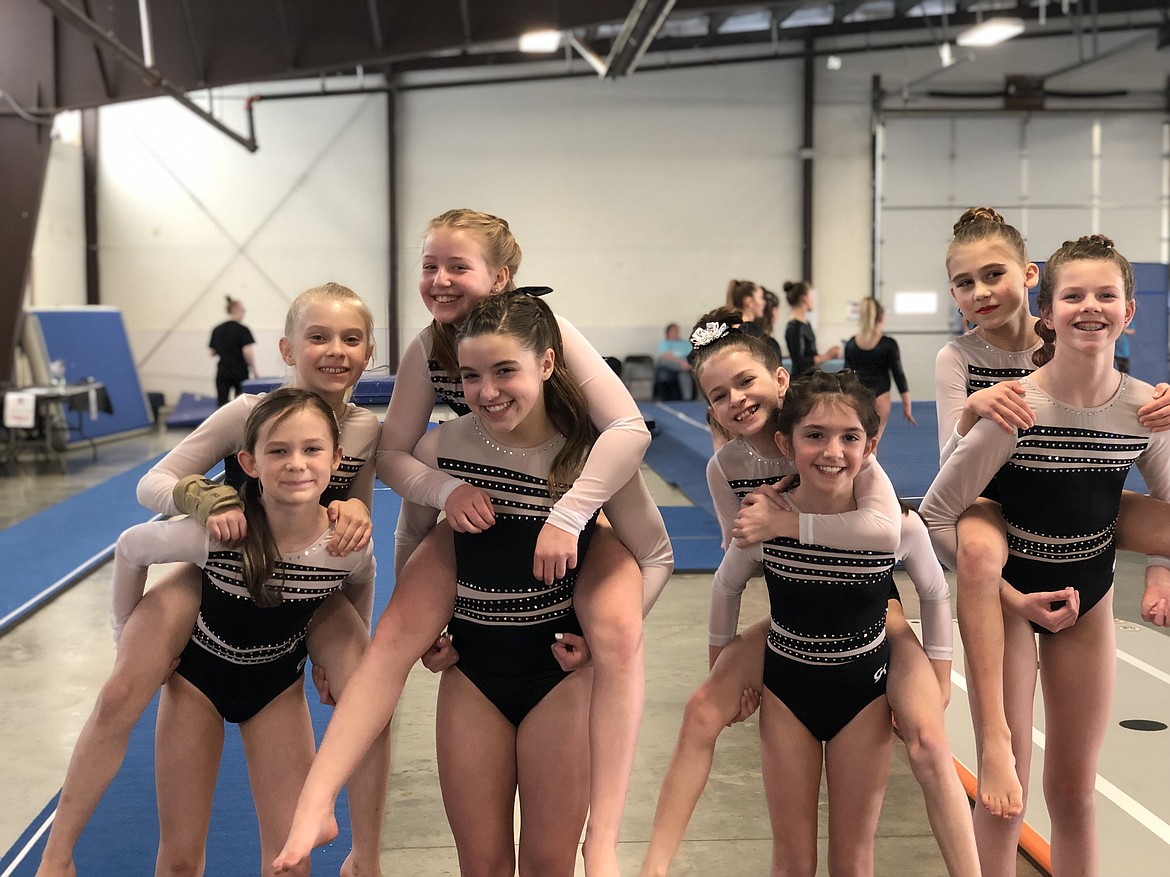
x: 637, y: 200
x: 187, y: 216
x: 57, y: 275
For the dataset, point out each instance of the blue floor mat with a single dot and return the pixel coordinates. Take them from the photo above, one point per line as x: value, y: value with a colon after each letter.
x: 191, y: 410
x: 38, y: 564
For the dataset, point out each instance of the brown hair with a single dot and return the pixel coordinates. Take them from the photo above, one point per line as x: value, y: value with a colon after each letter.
x: 231, y: 304
x: 532, y: 323
x: 259, y: 550
x: 982, y: 223
x: 726, y: 321
x: 1089, y: 248
x: 500, y: 250
x: 795, y: 290
x: 833, y: 388
x: 739, y: 291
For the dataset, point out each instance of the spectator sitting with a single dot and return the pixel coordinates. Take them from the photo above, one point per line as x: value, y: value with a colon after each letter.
x: 673, y: 367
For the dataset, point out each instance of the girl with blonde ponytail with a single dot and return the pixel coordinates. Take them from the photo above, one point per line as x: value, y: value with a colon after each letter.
x: 875, y: 356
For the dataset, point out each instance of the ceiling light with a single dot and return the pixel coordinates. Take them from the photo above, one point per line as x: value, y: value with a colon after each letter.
x: 538, y: 41
x: 991, y: 32
x: 833, y: 62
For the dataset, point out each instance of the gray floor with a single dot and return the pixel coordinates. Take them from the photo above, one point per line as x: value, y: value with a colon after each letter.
x: 56, y: 661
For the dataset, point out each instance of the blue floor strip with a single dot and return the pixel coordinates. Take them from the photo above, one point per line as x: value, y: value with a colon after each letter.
x: 39, y: 563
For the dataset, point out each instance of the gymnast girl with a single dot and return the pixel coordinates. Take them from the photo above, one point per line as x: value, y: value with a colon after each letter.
x: 328, y: 343
x: 978, y: 376
x: 467, y: 257
x: 827, y: 656
x: 245, y: 657
x: 744, y: 387
x: 1078, y: 402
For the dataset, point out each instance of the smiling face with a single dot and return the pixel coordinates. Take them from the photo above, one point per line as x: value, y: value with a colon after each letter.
x: 1089, y: 309
x: 988, y: 282
x: 456, y: 275
x: 503, y: 383
x: 828, y: 447
x: 742, y: 392
x: 329, y: 348
x: 294, y: 457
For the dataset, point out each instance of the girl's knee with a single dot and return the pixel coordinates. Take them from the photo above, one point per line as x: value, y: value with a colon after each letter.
x: 175, y: 863
x: 483, y: 863
x: 546, y: 863
x: 927, y: 748
x: 703, y: 719
x: 1070, y: 798
x: 119, y: 703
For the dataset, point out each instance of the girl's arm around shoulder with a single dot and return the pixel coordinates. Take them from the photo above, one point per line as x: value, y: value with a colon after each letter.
x: 360, y: 439
x: 638, y: 524
x: 359, y: 583
x: 875, y: 526
x: 175, y: 540
x: 219, y: 436
x: 737, y: 567
x: 617, y: 453
x: 934, y: 595
x: 722, y: 496
x: 960, y: 481
x: 407, y: 417
x: 415, y: 520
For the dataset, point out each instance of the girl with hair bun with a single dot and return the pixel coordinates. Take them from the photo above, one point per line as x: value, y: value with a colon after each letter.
x: 799, y: 334
x: 1062, y: 514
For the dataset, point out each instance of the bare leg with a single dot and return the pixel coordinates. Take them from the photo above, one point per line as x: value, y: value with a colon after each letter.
x: 1077, y: 669
x: 608, y: 599
x: 188, y: 743
x: 422, y: 603
x: 916, y: 700
x: 997, y: 837
x: 278, y: 744
x: 790, y: 758
x: 337, y: 641
x: 476, y: 749
x: 552, y: 760
x: 981, y: 556
x: 714, y: 704
x: 155, y: 634
x: 857, y: 765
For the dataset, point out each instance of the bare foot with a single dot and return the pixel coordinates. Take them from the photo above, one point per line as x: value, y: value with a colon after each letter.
x: 308, y: 830
x: 999, y: 786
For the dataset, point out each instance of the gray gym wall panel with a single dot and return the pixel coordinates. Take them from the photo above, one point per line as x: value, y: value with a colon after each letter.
x: 57, y: 269
x: 636, y: 200
x: 187, y: 216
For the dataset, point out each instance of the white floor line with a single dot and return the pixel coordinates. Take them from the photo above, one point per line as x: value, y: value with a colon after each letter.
x: 28, y: 846
x: 683, y: 417
x: 1141, y: 814
x: 1160, y: 675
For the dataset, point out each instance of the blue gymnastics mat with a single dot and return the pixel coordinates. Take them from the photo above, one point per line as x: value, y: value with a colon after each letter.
x: 34, y: 574
x: 191, y: 410
x: 122, y: 837
x: 371, y: 389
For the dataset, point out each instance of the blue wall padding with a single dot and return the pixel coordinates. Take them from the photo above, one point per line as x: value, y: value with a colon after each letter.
x: 92, y: 342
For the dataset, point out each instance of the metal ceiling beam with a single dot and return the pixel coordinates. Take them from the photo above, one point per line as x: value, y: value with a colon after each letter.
x: 843, y: 10
x: 189, y: 29
x: 638, y: 31
x: 74, y: 17
x: 376, y: 25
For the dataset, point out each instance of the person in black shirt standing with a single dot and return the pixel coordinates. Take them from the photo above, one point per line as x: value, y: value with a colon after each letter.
x: 233, y: 343
x: 799, y: 335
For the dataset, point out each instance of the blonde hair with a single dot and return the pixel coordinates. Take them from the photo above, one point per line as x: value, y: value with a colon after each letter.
x: 871, y: 312
x: 329, y: 292
x: 500, y: 250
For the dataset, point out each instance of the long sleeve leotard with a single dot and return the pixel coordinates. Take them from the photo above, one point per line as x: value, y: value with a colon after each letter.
x: 1060, y: 485
x: 613, y: 460
x: 240, y: 654
x: 222, y: 435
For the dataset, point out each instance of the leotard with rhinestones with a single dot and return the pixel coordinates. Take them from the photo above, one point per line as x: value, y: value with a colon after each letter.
x: 1060, y: 487
x: 240, y: 655
x: 505, y: 619
x: 615, y: 457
